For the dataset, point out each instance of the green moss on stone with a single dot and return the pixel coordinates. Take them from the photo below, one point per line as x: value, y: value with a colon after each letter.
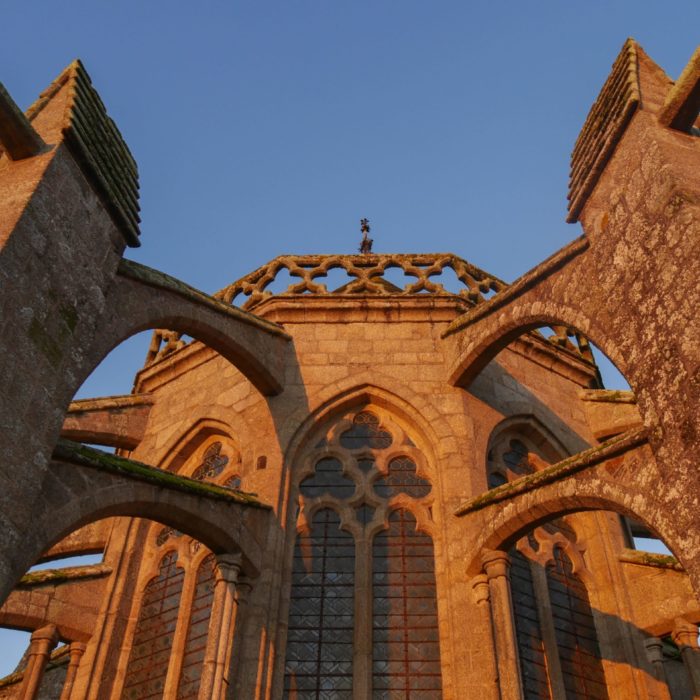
x: 88, y: 456
x: 557, y: 471
x: 68, y: 573
x: 46, y: 345
x: 156, y: 278
x: 662, y: 561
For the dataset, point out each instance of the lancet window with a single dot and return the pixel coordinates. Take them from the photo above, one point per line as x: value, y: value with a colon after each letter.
x: 172, y: 629
x: 556, y: 635
x: 363, y: 568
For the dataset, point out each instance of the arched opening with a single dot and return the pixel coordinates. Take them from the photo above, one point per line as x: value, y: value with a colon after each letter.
x: 589, y: 610
x: 157, y: 627
x: 590, y: 613
x: 364, y: 523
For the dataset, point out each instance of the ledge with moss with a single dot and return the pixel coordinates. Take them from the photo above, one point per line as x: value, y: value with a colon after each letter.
x: 557, y: 472
x: 520, y: 286
x: 161, y: 280
x: 607, y: 396
x: 659, y: 561
x: 76, y: 453
x: 68, y: 573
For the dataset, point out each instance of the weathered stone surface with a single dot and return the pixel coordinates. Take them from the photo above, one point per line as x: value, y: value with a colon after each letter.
x: 209, y: 504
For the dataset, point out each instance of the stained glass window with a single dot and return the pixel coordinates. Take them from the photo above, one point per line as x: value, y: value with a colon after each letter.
x: 564, y: 601
x: 153, y: 638
x: 405, y: 645
x: 365, y: 432
x: 213, y: 463
x: 197, y: 631
x: 321, y: 618
x: 402, y: 478
x: 533, y: 660
x: 575, y: 631
x: 328, y: 478
x: 399, y: 609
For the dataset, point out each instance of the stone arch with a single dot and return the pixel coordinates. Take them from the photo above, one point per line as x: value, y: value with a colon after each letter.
x: 529, y: 425
x: 147, y: 501
x: 487, y: 335
x: 254, y: 346
x: 386, y: 392
x: 512, y: 521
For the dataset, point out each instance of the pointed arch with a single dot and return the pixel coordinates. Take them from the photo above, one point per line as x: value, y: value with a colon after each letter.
x: 477, y: 337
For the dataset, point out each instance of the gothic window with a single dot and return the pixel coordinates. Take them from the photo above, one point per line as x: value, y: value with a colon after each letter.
x: 321, y: 618
x: 213, y: 463
x: 360, y: 474
x: 405, y: 645
x: 575, y: 630
x: 546, y: 594
x: 197, y: 630
x: 179, y: 597
x: 533, y: 660
x: 150, y: 651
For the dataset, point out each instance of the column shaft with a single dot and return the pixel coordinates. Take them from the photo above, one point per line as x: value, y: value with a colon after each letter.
x: 42, y: 643
x: 497, y: 568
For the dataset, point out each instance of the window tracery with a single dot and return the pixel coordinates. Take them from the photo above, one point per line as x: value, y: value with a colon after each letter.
x: 555, y: 631
x: 362, y: 492
x: 150, y: 651
x: 186, y: 572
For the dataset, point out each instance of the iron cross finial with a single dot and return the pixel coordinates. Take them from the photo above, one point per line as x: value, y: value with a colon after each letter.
x: 366, y: 244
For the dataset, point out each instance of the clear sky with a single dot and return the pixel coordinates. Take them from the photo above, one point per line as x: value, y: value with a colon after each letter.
x: 263, y: 128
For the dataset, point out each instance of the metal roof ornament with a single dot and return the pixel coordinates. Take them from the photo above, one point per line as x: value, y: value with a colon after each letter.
x: 366, y: 244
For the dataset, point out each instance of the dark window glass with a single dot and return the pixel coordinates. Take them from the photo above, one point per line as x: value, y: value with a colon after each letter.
x: 328, y: 478
x: 318, y: 665
x: 233, y: 482
x: 575, y: 630
x: 197, y: 631
x: 365, y: 513
x: 497, y: 479
x: 533, y: 663
x: 405, y: 644
x: 153, y: 637
x: 402, y: 478
x: 515, y: 458
x: 365, y: 432
x: 213, y: 463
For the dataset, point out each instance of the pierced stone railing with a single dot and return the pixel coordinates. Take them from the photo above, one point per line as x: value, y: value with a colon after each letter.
x: 365, y: 275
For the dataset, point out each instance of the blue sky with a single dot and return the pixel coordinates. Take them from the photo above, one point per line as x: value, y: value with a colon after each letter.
x: 263, y: 128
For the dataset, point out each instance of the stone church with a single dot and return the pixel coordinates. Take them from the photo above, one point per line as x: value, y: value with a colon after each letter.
x: 395, y: 477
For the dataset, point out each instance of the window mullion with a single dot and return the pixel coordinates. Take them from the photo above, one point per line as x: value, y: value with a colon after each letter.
x: 362, y: 650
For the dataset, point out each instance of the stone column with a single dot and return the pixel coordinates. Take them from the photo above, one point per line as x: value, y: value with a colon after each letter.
x: 221, y: 624
x: 497, y: 568
x: 480, y: 589
x: 234, y: 663
x: 685, y: 635
x: 76, y: 651
x: 42, y: 643
x: 655, y: 655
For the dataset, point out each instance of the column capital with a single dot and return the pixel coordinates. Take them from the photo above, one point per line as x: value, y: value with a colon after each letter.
x: 654, y: 648
x: 685, y: 634
x: 228, y: 567
x: 496, y: 563
x: 43, y: 640
x: 480, y: 589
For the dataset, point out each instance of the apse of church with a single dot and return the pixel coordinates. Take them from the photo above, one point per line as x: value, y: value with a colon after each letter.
x: 392, y: 476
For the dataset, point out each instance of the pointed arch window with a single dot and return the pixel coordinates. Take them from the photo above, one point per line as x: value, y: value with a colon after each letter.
x: 150, y: 651
x: 555, y: 631
x: 363, y: 558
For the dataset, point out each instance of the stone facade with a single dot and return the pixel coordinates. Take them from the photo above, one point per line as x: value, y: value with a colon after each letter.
x: 360, y: 488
